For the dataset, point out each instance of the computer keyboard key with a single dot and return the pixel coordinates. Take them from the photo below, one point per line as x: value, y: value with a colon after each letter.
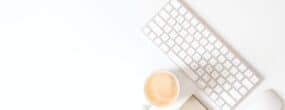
x: 189, y: 39
x: 243, y: 90
x: 188, y: 60
x: 191, y: 30
x: 193, y: 76
x: 247, y: 83
x: 206, y: 33
x: 237, y: 85
x: 227, y: 86
x: 179, y: 40
x: 202, y: 63
x: 146, y: 30
x: 206, y: 77
x: 218, y: 44
x: 228, y: 64
x: 201, y: 50
x: 226, y: 107
x: 212, y: 83
x: 228, y: 98
x: 220, y: 101
x: 221, y: 58
x: 209, y: 47
x: 235, y: 94
x: 208, y: 90
x: 168, y: 8
x: 214, y: 96
x: 203, y: 41
x: 219, y: 67
x: 175, y: 4
x: 156, y: 29
x: 173, y: 34
x: 170, y: 43
x: 218, y: 89
x: 213, y: 61
x: 185, y: 46
x: 183, y: 33
x: 215, y: 74
x: 242, y: 67
x: 167, y: 28
x: 196, y: 57
x: 177, y: 27
x: 200, y: 27
x: 174, y: 13
x: 233, y: 70
x: 231, y: 79
x: 171, y: 22
x: 207, y: 56
x: 185, y: 24
x: 225, y: 73
x: 191, y: 51
x: 239, y: 76
x: 159, y: 21
x: 215, y: 53
x: 195, y: 44
x: 254, y: 79
x: 164, y: 48
x: 197, y: 36
x: 224, y: 50
x: 194, y: 21
x: 201, y: 84
x: 157, y: 41
x: 230, y: 56
x: 151, y: 36
x: 182, y: 11
x: 248, y: 73
x: 236, y: 62
x: 182, y: 54
x: 176, y: 48
x: 212, y: 39
x: 221, y: 80
x: 164, y: 37
x: 180, y: 19
x: 200, y: 72
x: 194, y: 66
x: 188, y: 16
x: 164, y: 15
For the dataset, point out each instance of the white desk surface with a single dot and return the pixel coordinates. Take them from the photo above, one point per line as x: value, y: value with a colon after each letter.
x: 91, y: 55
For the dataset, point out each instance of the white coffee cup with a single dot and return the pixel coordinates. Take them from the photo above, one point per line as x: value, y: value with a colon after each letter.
x: 184, y: 89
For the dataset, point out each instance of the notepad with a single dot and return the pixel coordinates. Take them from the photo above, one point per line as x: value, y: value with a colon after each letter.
x: 193, y: 104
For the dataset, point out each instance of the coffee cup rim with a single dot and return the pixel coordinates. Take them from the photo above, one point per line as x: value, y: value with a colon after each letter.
x: 177, y: 84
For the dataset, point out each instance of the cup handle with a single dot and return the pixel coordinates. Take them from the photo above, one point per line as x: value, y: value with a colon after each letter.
x: 146, y: 107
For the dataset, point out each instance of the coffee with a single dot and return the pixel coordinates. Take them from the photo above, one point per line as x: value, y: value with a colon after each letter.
x: 161, y: 88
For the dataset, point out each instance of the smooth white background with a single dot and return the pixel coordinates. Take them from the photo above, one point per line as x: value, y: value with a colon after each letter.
x: 91, y: 55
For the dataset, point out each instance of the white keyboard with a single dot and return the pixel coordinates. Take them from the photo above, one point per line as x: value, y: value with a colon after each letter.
x: 206, y: 59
